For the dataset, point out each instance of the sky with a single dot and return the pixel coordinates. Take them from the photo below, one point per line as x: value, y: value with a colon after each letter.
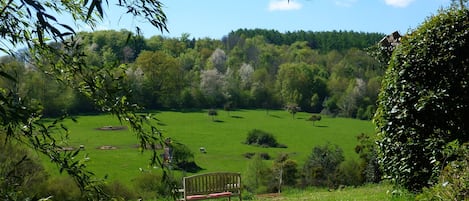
x: 217, y: 18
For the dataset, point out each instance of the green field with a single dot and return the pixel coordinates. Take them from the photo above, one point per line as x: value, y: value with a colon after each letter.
x: 223, y: 139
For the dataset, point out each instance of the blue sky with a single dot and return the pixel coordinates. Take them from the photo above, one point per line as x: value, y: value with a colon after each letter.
x: 216, y: 18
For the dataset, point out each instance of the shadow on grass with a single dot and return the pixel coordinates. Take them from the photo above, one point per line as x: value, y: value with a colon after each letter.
x: 237, y: 117
x: 218, y: 121
x: 321, y: 126
x: 275, y: 116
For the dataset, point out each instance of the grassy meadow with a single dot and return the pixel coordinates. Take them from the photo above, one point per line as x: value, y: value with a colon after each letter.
x: 223, y: 139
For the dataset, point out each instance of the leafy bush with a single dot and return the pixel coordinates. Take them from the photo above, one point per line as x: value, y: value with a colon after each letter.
x: 61, y: 188
x: 453, y: 182
x: 285, y: 172
x: 350, y: 173
x: 314, y: 117
x: 152, y: 185
x: 424, y: 100
x: 263, y: 139
x: 20, y: 172
x: 321, y: 167
x: 367, y: 150
x: 257, y: 176
x: 118, y: 191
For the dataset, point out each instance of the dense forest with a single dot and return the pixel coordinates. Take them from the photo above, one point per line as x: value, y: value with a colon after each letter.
x: 327, y: 72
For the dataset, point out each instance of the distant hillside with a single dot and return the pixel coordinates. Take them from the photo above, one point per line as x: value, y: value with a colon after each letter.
x: 323, y: 41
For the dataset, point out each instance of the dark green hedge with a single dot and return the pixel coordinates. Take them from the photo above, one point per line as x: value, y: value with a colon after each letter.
x: 424, y: 100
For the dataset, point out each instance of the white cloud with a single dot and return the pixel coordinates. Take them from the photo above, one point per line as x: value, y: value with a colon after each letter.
x: 276, y: 5
x: 398, y: 3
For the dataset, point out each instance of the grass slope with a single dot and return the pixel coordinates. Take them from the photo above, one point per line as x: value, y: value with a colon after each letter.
x: 223, y: 139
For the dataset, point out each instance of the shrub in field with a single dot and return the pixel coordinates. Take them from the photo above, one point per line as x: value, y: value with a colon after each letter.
x: 350, y: 173
x: 60, y: 188
x: 285, y: 172
x: 183, y: 158
x: 151, y: 185
x: 320, y: 169
x: 118, y: 191
x: 314, y: 117
x: 263, y: 139
x: 257, y: 176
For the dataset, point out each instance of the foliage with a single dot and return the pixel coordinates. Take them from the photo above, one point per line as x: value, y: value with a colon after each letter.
x: 285, y: 172
x: 257, y: 175
x: 453, y: 182
x: 54, y: 50
x: 320, y: 169
x: 20, y: 172
x: 60, y: 188
x: 297, y: 83
x: 424, y: 101
x: 212, y: 113
x: 262, y: 138
x: 368, y: 153
x: 292, y: 108
x: 314, y: 117
x: 183, y: 158
x: 149, y: 184
x: 315, y: 40
x: 118, y: 191
x: 350, y: 173
x: 178, y: 73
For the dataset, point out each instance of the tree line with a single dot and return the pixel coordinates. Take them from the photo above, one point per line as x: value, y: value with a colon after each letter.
x: 328, y: 72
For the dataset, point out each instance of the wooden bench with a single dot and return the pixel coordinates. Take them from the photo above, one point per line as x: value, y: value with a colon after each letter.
x: 211, y: 186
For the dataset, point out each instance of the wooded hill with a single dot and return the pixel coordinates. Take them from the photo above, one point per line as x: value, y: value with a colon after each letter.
x: 328, y: 72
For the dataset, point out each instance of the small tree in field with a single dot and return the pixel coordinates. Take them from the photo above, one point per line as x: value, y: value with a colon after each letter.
x: 314, y: 118
x: 228, y: 106
x: 212, y: 113
x: 257, y: 175
x: 292, y: 108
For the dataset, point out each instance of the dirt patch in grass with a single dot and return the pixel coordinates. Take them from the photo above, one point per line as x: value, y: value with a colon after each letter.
x: 107, y: 147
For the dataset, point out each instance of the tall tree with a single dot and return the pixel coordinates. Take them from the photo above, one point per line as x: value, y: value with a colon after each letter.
x: 211, y: 85
x: 162, y: 78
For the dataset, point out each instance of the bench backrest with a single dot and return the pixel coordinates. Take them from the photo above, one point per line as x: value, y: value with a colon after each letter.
x: 212, y: 183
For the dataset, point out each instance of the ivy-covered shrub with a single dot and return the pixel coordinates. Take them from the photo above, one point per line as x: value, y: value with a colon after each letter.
x: 424, y: 100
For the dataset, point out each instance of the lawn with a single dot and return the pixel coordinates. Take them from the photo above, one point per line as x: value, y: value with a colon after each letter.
x: 223, y: 139
x: 370, y: 192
